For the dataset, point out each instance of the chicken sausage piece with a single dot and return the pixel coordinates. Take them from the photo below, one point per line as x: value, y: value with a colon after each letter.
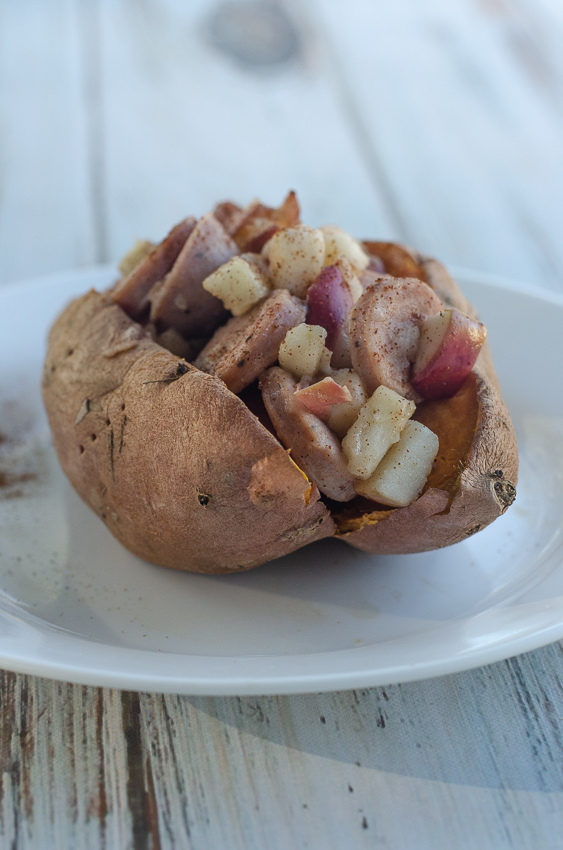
x: 385, y: 329
x: 132, y: 291
x: 239, y: 351
x: 179, y: 301
x: 314, y: 447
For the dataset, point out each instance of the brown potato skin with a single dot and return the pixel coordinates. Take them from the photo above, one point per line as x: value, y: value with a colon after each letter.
x: 185, y: 476
x: 179, y: 469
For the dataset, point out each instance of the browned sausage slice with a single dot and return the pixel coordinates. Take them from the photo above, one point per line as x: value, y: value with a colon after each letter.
x: 132, y: 291
x: 314, y: 447
x: 179, y: 300
x: 385, y: 329
x: 239, y: 351
x: 369, y: 276
x: 229, y: 215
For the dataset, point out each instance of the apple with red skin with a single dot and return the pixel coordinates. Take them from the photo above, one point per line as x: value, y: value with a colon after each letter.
x: 318, y: 398
x: 449, y: 345
x: 329, y: 301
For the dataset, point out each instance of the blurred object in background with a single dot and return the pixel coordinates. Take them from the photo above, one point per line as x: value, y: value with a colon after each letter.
x: 258, y: 35
x: 434, y: 123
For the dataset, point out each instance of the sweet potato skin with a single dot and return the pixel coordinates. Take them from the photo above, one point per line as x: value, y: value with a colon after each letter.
x: 185, y: 476
x: 486, y: 484
x: 176, y: 465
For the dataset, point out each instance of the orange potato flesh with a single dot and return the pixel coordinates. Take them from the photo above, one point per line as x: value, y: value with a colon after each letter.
x: 472, y: 483
x: 454, y: 421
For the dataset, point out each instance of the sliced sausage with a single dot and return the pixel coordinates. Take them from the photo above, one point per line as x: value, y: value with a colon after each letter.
x: 132, y: 291
x: 314, y: 447
x: 229, y: 215
x: 369, y: 276
x: 240, y: 351
x: 179, y: 300
x: 385, y: 329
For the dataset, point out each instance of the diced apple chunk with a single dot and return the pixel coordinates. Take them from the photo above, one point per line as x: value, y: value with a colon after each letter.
x: 324, y: 366
x: 329, y: 302
x: 296, y: 257
x: 379, y: 424
x: 239, y: 283
x: 401, y: 475
x: 302, y: 350
x: 318, y: 398
x: 133, y: 257
x: 339, y: 243
x: 449, y: 345
x: 348, y: 272
x: 432, y: 335
x: 343, y: 416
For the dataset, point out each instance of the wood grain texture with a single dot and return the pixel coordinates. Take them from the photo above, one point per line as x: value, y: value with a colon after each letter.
x: 220, y: 131
x: 461, y: 104
x: 471, y: 760
x: 435, y: 123
x: 46, y: 212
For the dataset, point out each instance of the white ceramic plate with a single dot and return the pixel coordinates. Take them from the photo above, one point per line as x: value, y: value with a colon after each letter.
x: 75, y: 605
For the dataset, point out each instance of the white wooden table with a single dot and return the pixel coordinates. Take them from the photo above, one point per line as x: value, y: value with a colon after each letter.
x: 437, y: 123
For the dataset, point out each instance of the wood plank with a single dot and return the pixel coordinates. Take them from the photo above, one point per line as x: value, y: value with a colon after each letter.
x: 458, y: 103
x: 461, y: 761
x: 185, y: 127
x: 45, y: 207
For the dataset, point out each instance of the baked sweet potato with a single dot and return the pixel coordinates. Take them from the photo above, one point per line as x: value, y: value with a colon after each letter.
x: 188, y: 475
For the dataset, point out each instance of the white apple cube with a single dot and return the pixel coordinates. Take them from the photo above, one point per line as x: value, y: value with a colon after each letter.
x: 133, y: 257
x: 339, y: 243
x: 402, y: 474
x: 348, y: 272
x: 432, y: 334
x: 342, y: 416
x: 302, y: 350
x: 265, y: 252
x: 324, y: 366
x: 296, y: 256
x: 379, y: 424
x: 319, y: 397
x: 239, y: 283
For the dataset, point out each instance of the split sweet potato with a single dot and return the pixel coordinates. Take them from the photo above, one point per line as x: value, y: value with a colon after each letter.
x: 189, y: 475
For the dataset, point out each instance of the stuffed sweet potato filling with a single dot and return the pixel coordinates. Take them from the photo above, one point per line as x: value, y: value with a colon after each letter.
x: 345, y: 340
x: 362, y: 359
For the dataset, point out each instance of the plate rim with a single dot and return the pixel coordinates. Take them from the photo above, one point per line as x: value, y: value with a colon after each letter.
x: 298, y: 682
